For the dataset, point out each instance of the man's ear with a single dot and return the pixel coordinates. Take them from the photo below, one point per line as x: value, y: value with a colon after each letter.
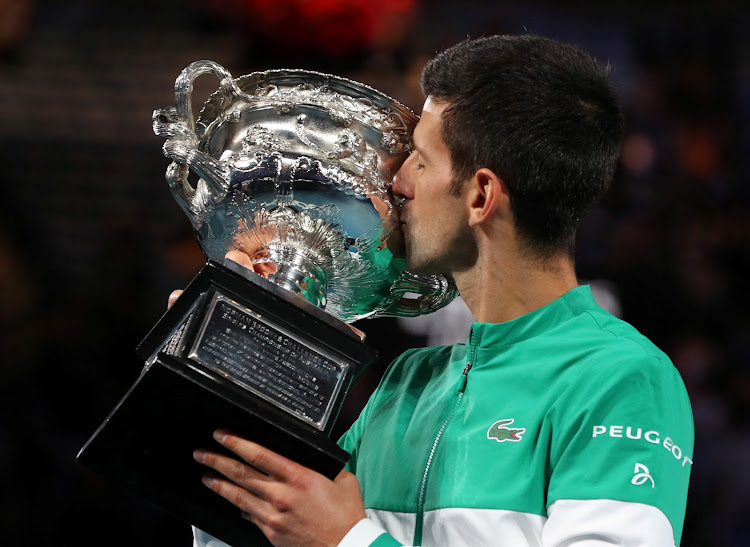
x: 487, y: 196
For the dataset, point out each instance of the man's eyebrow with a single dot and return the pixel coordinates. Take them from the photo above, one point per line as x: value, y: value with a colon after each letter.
x: 419, y: 150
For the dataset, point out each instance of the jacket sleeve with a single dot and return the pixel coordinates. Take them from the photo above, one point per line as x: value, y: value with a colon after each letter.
x: 351, y: 440
x: 621, y: 455
x: 202, y: 539
x: 600, y: 523
x: 366, y: 532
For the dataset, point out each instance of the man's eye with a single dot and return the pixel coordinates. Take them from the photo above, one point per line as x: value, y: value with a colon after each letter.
x: 419, y: 166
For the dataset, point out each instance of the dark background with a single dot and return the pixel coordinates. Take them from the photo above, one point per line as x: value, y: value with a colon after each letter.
x: 91, y: 242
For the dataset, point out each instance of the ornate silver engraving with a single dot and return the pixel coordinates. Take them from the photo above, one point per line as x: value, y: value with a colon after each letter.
x: 295, y: 168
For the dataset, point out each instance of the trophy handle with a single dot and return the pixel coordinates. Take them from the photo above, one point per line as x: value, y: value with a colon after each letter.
x: 177, y: 125
x: 183, y: 87
x: 418, y: 295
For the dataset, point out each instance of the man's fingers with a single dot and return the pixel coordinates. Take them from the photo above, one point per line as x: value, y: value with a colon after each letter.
x: 238, y: 496
x: 290, y: 502
x: 260, y: 458
x: 173, y: 297
x: 265, y: 268
x: 240, y: 258
x: 236, y: 471
x: 358, y: 332
x: 243, y: 259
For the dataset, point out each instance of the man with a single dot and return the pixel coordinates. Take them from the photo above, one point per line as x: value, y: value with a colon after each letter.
x: 556, y: 423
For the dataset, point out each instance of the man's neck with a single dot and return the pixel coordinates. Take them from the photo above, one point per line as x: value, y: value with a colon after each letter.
x: 498, y: 290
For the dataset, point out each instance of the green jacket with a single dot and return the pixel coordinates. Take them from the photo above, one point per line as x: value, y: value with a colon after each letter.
x: 562, y: 425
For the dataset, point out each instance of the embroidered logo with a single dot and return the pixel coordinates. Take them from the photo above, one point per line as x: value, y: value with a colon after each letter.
x: 500, y: 432
x: 641, y: 475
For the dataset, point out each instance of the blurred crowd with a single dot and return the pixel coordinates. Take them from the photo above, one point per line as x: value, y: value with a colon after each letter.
x: 91, y: 243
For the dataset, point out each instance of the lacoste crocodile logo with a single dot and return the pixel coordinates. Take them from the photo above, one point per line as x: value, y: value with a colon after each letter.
x: 500, y: 432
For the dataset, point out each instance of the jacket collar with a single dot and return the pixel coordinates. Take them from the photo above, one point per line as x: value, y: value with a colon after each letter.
x: 573, y: 303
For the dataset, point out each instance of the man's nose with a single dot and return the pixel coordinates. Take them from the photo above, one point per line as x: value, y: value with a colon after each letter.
x: 401, y: 188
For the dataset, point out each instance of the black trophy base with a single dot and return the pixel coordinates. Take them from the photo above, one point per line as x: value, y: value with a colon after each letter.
x: 146, y: 443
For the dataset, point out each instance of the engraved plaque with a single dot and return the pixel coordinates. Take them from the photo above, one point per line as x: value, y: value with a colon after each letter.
x: 268, y: 360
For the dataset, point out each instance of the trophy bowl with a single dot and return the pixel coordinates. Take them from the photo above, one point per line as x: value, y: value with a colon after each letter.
x: 292, y: 168
x: 295, y: 169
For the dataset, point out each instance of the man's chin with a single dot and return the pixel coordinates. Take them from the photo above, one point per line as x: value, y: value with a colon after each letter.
x: 421, y: 267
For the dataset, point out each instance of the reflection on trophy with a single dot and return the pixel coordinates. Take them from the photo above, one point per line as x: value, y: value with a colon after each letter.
x: 292, y: 168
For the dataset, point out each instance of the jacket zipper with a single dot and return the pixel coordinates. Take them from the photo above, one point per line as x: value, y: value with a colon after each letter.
x: 419, y: 524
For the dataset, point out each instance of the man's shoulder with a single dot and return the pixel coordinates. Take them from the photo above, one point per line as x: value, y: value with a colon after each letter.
x: 596, y: 350
x: 611, y: 341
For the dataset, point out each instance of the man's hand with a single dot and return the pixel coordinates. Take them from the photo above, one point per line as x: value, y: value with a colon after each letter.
x: 243, y: 260
x: 291, y: 504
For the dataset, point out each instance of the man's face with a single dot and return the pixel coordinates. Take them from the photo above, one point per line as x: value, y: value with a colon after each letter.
x: 433, y: 220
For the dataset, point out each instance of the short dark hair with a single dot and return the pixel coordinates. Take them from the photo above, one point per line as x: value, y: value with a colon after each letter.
x: 542, y: 116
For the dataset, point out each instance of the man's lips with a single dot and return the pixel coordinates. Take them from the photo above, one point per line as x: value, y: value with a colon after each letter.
x: 402, y: 216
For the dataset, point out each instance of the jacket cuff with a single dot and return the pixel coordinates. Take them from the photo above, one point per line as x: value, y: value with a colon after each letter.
x: 365, y: 532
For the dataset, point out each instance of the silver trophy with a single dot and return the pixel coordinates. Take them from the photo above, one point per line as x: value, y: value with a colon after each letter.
x: 295, y: 169
x: 292, y: 168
